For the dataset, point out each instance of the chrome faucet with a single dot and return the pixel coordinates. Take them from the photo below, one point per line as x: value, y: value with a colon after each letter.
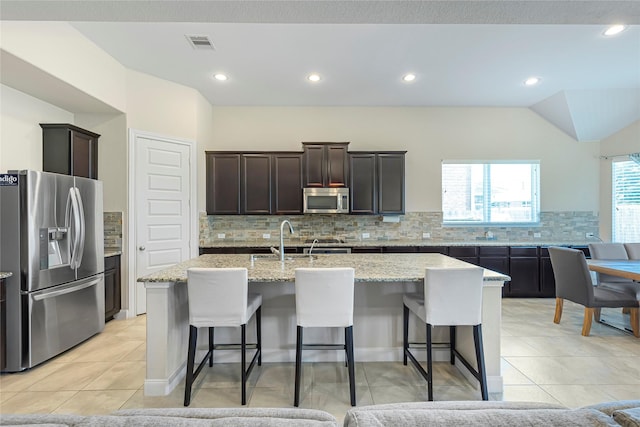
x: 312, y: 245
x: 286, y: 221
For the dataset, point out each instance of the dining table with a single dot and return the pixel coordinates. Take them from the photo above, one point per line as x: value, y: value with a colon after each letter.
x: 629, y: 269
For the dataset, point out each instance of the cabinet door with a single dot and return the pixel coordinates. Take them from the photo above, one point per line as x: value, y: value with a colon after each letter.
x: 255, y: 185
x: 111, y: 286
x: 362, y: 183
x: 223, y: 183
x: 391, y: 183
x: 464, y: 253
x: 84, y: 155
x: 337, y: 166
x: 314, y: 165
x: 287, y: 183
x: 547, y: 279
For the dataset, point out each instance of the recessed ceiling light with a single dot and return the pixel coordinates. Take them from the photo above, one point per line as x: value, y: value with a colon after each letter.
x: 221, y: 77
x: 408, y: 77
x: 613, y: 30
x: 532, y: 81
x: 313, y: 77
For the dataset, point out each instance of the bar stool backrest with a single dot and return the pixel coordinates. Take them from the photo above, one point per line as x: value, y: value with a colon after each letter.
x: 217, y: 296
x: 324, y: 297
x: 453, y: 296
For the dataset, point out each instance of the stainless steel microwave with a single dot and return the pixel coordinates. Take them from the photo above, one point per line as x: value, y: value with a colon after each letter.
x: 326, y: 200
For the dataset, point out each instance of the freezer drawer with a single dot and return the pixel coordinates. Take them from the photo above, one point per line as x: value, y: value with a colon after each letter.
x: 62, y: 317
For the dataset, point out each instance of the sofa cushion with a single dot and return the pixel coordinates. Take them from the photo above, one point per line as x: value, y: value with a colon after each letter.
x: 40, y: 420
x: 628, y: 417
x: 472, y: 413
x: 610, y: 407
x: 240, y: 416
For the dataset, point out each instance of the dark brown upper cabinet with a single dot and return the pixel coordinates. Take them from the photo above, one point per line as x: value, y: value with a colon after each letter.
x: 255, y: 186
x: 251, y: 183
x: 223, y: 183
x: 287, y: 183
x: 377, y: 182
x: 325, y: 164
x: 69, y: 150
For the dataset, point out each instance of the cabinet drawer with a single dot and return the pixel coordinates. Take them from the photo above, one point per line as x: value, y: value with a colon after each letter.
x: 444, y: 250
x: 493, y: 250
x: 111, y: 262
x: 463, y: 251
x: 399, y: 249
x: 529, y: 251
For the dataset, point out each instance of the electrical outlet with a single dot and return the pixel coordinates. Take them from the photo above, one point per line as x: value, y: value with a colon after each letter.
x: 220, y: 235
x: 426, y: 235
x: 537, y: 235
x: 588, y: 235
x: 266, y: 235
x: 365, y: 235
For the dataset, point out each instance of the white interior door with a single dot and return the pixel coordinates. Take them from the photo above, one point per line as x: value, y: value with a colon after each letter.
x: 162, y: 206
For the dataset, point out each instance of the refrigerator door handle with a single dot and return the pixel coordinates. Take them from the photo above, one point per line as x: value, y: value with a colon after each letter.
x: 83, y: 225
x: 44, y: 294
x: 74, y: 228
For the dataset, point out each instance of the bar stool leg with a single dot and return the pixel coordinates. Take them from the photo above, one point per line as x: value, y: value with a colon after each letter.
x: 191, y: 354
x: 211, y: 346
x: 259, y: 334
x: 477, y: 337
x: 429, y: 365
x: 296, y: 397
x: 452, y: 342
x: 243, y: 362
x: 405, y: 334
x: 348, y: 333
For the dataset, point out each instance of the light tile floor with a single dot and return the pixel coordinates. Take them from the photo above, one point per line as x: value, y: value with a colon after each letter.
x: 541, y: 361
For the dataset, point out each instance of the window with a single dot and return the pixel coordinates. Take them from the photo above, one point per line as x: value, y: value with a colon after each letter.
x: 626, y: 201
x: 497, y: 192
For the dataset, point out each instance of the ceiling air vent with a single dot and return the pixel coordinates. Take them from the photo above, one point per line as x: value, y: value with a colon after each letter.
x: 200, y: 42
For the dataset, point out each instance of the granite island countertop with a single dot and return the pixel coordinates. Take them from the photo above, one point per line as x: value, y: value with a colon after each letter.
x: 112, y: 252
x: 288, y: 242
x: 368, y: 267
x: 5, y: 274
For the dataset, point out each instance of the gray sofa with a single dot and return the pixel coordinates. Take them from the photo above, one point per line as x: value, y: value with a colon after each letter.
x: 625, y: 413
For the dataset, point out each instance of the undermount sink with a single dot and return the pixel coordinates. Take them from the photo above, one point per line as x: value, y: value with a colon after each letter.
x: 287, y: 257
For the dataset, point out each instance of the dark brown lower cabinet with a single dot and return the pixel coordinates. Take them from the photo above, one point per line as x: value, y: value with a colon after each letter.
x: 495, y: 258
x: 3, y: 326
x: 464, y: 253
x: 112, y: 283
x: 524, y: 272
x: 547, y: 279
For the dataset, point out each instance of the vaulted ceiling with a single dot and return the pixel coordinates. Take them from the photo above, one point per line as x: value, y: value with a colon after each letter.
x: 463, y: 53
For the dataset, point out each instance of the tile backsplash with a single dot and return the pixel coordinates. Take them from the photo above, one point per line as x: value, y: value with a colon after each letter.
x: 113, y: 230
x: 554, y: 226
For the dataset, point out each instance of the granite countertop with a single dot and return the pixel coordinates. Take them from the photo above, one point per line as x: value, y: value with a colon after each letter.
x: 111, y: 252
x: 5, y: 274
x: 399, y: 242
x: 368, y: 267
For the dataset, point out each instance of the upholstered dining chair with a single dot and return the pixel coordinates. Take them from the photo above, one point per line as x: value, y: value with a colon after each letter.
x: 573, y: 283
x: 219, y: 297
x: 452, y: 297
x: 615, y: 251
x: 633, y: 250
x: 324, y: 299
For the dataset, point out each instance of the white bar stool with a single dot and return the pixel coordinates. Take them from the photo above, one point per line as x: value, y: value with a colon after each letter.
x: 219, y: 297
x: 324, y: 298
x: 452, y: 297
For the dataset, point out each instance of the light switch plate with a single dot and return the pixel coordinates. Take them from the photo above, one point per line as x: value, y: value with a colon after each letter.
x: 537, y: 234
x: 365, y: 235
x: 426, y: 235
x: 266, y: 236
x: 220, y: 235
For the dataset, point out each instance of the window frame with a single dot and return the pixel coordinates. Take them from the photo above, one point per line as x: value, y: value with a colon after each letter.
x: 486, y: 210
x: 614, y: 205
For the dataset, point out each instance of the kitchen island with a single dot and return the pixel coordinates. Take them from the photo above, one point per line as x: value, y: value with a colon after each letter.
x: 381, y: 280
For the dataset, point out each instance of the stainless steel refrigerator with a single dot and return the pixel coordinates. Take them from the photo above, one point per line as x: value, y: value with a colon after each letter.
x: 51, y: 239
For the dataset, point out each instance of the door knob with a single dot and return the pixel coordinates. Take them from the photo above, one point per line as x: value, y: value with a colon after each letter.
x: 142, y: 248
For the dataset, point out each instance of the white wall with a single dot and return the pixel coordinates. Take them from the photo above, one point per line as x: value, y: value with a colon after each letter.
x: 569, y: 169
x: 60, y: 50
x: 625, y: 141
x: 20, y: 132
